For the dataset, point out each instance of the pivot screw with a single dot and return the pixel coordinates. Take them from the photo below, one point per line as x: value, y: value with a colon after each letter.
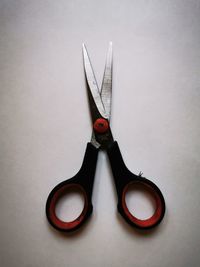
x: 101, y: 125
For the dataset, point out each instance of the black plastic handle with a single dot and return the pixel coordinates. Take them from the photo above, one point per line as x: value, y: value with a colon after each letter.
x: 123, y: 180
x: 83, y: 181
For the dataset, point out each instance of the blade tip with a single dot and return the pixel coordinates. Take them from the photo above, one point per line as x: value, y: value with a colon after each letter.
x: 84, y: 50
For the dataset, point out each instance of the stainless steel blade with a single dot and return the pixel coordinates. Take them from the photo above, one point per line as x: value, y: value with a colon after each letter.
x: 93, y: 84
x: 106, y: 87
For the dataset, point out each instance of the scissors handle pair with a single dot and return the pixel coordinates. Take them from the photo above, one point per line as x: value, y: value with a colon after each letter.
x: 83, y: 181
x: 100, y: 103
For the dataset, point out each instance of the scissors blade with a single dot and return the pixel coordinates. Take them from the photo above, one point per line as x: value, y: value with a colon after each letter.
x: 106, y: 87
x: 93, y: 87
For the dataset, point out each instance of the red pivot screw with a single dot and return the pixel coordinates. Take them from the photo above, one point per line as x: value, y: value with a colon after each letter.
x: 101, y: 125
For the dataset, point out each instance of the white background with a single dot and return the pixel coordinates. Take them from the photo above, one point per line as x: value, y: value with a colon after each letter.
x: 45, y: 124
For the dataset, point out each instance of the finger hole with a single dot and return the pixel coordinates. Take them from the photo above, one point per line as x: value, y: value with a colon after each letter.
x: 70, y: 205
x: 137, y: 213
x: 140, y: 202
x: 74, y: 216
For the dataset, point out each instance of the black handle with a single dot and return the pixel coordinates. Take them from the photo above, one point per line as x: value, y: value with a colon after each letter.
x: 123, y: 180
x: 82, y: 181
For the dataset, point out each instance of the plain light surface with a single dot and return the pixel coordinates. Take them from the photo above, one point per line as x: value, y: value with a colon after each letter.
x: 45, y: 124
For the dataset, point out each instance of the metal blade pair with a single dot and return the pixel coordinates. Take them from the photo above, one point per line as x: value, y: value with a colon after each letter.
x: 100, y: 101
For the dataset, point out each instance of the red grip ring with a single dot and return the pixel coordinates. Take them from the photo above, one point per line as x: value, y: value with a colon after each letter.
x: 146, y: 223
x: 52, y: 206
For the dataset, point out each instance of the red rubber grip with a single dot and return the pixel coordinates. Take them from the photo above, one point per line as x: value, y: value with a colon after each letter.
x: 59, y: 224
x: 155, y: 218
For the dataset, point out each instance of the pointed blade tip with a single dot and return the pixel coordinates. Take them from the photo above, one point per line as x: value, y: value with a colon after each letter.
x: 84, y: 47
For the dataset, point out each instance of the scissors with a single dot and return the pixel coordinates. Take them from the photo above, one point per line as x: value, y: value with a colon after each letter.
x: 102, y: 138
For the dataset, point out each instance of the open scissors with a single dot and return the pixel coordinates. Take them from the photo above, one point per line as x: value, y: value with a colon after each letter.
x: 100, y: 105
